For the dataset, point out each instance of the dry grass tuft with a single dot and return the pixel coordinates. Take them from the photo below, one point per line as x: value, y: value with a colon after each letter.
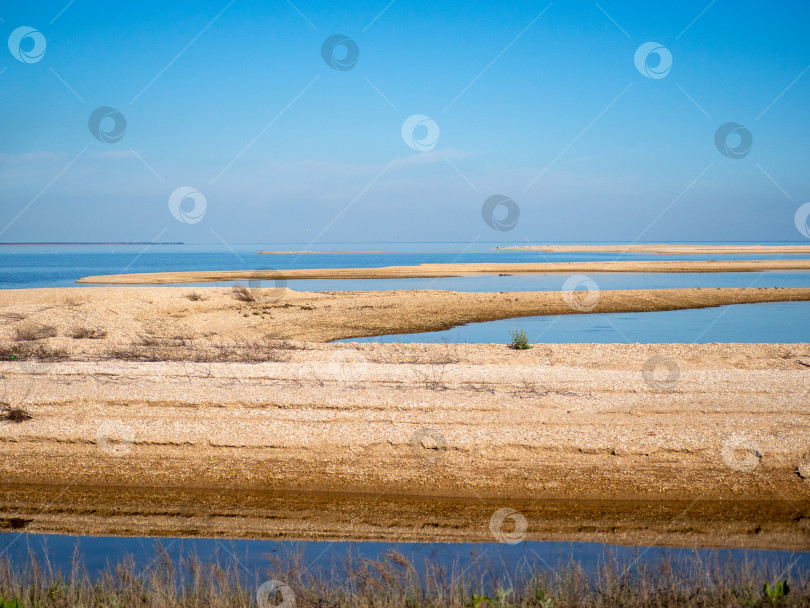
x: 243, y: 294
x: 87, y: 333
x: 13, y: 414
x: 31, y: 333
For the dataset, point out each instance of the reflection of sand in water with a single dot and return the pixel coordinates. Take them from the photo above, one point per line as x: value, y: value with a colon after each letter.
x: 390, y: 518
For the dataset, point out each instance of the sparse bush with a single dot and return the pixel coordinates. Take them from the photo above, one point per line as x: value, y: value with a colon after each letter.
x: 13, y: 414
x: 243, y: 294
x: 87, y: 333
x: 27, y: 351
x: 519, y: 339
x: 30, y: 333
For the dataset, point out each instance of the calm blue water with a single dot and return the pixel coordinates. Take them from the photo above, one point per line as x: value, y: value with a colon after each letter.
x: 494, y: 558
x: 61, y: 266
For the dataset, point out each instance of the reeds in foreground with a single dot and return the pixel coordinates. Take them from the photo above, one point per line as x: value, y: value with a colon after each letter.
x: 392, y: 580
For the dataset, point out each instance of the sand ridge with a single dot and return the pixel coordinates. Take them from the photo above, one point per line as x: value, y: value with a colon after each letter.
x: 446, y: 270
x: 127, y: 315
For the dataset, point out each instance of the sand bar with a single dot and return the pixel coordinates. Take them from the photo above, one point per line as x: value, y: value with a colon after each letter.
x: 446, y: 270
x: 667, y: 249
x: 177, y: 411
x: 435, y: 437
x: 128, y: 315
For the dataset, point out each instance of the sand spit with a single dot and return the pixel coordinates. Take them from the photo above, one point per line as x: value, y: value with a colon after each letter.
x: 565, y: 434
x: 172, y: 410
x: 446, y: 270
x: 667, y: 249
x: 129, y: 316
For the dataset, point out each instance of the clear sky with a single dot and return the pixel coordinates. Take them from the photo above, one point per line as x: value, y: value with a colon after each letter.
x: 539, y: 102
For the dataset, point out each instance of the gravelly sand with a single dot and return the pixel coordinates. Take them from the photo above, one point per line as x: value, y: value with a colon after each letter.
x: 710, y: 441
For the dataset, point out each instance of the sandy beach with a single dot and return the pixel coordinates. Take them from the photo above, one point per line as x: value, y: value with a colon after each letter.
x: 159, y: 316
x: 668, y: 249
x: 185, y: 399
x: 445, y: 270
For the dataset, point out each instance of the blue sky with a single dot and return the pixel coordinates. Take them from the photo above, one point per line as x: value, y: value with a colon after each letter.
x: 539, y: 102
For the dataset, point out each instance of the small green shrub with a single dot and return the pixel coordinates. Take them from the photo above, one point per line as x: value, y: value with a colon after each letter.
x: 519, y: 339
x: 776, y: 592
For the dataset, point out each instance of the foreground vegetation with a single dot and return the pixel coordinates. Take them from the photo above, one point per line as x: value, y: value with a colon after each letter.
x: 392, y: 580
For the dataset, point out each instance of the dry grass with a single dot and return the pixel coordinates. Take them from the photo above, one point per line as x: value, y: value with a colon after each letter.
x: 161, y: 348
x: 13, y: 414
x: 88, y: 333
x: 243, y: 294
x: 30, y: 333
x: 27, y: 351
x: 393, y: 581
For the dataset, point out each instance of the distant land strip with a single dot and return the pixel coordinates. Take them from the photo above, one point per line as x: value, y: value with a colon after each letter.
x: 89, y: 243
x: 446, y: 270
x: 672, y: 249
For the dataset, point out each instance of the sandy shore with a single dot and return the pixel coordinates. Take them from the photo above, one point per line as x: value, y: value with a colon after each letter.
x: 160, y: 316
x: 446, y: 270
x: 179, y: 411
x: 161, y: 445
x: 667, y: 249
